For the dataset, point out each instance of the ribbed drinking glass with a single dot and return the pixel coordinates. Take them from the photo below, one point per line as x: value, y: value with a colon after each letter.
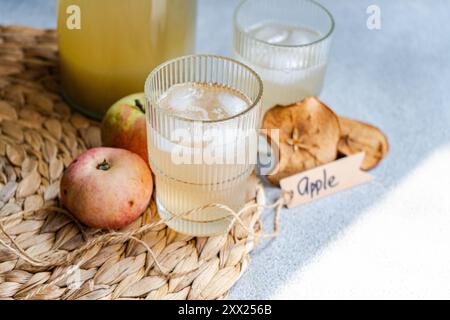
x: 202, y: 116
x: 287, y: 43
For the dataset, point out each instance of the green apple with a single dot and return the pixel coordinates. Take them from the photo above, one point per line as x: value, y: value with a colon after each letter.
x: 124, y: 125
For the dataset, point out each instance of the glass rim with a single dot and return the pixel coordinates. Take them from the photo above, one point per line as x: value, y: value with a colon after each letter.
x: 171, y: 61
x: 239, y: 27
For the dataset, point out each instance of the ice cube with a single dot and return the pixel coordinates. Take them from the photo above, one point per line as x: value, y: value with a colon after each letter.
x: 270, y: 32
x: 195, y: 113
x: 301, y: 36
x: 202, y: 102
x: 182, y: 101
x: 231, y: 104
x: 178, y: 98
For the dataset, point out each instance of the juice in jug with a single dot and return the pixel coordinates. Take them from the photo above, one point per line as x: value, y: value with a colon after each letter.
x: 116, y: 46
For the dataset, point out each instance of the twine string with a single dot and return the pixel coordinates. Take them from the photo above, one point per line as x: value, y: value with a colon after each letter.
x: 55, y: 260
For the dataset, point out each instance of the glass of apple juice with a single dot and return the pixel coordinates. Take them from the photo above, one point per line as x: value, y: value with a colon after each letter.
x: 202, y: 117
x: 287, y: 42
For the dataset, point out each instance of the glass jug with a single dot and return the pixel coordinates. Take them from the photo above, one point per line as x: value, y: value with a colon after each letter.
x: 108, y: 47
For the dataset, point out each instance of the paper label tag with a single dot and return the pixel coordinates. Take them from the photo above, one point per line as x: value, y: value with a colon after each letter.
x: 325, y: 180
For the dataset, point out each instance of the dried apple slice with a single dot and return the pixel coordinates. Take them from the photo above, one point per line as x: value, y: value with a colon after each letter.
x: 357, y: 136
x: 308, y: 136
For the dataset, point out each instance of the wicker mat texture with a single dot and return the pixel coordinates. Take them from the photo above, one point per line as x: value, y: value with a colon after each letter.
x: 44, y: 252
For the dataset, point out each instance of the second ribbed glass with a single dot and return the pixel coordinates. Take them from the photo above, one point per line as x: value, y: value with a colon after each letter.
x: 287, y: 42
x: 198, y: 161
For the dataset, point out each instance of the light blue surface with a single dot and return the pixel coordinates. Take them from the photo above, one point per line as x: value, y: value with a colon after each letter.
x: 397, y: 78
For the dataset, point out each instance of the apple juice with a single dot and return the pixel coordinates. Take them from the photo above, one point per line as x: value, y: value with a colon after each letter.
x: 193, y: 180
x: 113, y: 46
x: 290, y: 74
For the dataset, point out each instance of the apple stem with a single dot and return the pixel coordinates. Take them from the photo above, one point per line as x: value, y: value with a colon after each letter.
x: 138, y: 104
x: 104, y: 166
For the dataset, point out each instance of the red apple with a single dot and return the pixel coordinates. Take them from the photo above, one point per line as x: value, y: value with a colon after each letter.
x: 107, y: 188
x: 124, y: 125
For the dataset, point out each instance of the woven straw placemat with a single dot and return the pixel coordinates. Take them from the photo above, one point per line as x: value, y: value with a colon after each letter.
x: 44, y: 253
